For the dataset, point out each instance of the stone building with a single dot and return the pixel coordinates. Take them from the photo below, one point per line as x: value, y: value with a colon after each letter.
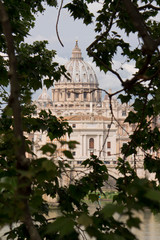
x: 79, y: 100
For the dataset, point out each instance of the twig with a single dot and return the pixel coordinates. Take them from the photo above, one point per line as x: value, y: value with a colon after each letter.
x: 129, y: 83
x: 59, y: 12
x: 106, y: 32
x: 108, y: 131
x: 105, y: 65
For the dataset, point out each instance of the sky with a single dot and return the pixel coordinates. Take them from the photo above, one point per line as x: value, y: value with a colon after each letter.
x: 70, y: 31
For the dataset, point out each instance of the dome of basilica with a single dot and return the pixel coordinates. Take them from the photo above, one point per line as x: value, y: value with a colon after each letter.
x: 79, y: 71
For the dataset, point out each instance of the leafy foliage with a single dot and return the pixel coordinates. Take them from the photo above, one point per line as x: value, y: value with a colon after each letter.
x: 25, y: 180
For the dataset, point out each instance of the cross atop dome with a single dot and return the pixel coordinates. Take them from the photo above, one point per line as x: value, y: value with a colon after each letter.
x: 76, y: 52
x: 76, y: 43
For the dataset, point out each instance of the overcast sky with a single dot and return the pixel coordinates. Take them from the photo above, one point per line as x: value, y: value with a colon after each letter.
x: 69, y: 32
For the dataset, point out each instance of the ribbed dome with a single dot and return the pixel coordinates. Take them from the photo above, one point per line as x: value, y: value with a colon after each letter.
x: 80, y: 71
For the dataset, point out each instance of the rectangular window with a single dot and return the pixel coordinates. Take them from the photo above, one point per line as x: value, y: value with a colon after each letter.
x: 106, y: 162
x: 108, y: 144
x: 68, y: 94
x: 124, y: 113
x: 108, y: 153
x: 74, y: 125
x: 76, y: 95
x: 93, y: 96
x: 85, y: 95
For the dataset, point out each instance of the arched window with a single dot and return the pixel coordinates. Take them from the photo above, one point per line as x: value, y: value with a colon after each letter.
x: 91, y: 143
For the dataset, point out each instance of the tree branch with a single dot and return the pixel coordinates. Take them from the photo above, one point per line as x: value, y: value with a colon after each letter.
x: 149, y: 44
x: 149, y: 6
x: 22, y: 162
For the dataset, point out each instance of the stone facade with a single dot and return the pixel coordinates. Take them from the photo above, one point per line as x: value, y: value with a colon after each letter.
x: 79, y: 100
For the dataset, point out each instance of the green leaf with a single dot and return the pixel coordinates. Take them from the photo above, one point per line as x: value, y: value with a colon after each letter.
x: 153, y: 195
x: 110, y: 209
x: 93, y: 197
x: 49, y: 148
x: 85, y: 220
x: 134, y: 222
x: 48, y: 165
x: 63, y: 225
x: 124, y: 98
x: 68, y: 154
x: 114, y: 236
x: 72, y: 144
